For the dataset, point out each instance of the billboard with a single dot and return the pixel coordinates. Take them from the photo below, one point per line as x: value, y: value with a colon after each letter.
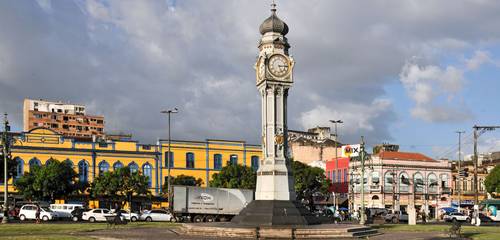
x: 351, y: 150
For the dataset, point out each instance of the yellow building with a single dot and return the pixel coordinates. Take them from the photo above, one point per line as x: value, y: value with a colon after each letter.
x: 200, y: 159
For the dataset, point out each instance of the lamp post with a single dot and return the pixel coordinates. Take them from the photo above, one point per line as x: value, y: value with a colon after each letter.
x: 362, y: 158
x: 459, y: 168
x: 169, y: 112
x: 336, y: 151
x: 6, y: 153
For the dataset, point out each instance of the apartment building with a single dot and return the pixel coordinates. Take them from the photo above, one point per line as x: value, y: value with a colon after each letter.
x: 67, y: 119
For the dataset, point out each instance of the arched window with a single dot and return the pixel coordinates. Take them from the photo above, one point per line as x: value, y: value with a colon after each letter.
x: 233, y: 159
x: 255, y: 162
x: 19, y: 167
x: 68, y: 162
x: 117, y: 165
x: 147, y: 170
x: 404, y: 182
x: 375, y: 197
x: 103, y: 167
x: 217, y: 161
x: 169, y: 155
x: 433, y: 183
x: 83, y: 171
x: 418, y: 180
x: 189, y: 160
x: 375, y: 177
x: 388, y: 182
x: 133, y: 167
x: 34, y: 162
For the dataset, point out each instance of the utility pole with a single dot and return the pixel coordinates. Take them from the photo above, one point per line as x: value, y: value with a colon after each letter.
x: 362, y: 158
x: 476, y: 190
x: 459, y: 168
x: 6, y: 154
x: 168, y: 155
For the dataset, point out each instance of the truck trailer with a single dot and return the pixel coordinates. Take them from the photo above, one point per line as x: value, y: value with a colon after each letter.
x: 200, y: 204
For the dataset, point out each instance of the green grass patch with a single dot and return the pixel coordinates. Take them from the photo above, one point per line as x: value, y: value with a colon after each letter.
x: 481, y: 233
x: 64, y: 230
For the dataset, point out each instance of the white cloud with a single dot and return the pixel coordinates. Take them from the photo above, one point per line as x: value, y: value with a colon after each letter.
x: 479, y: 58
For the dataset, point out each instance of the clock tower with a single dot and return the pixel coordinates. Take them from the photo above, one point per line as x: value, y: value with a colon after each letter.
x: 274, y: 78
x: 275, y: 199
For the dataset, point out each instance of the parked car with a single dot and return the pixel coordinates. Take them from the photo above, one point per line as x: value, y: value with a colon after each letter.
x: 456, y: 216
x: 98, y: 214
x: 64, y: 210
x: 76, y: 215
x: 28, y: 211
x: 129, y: 216
x: 157, y: 215
x: 396, y: 216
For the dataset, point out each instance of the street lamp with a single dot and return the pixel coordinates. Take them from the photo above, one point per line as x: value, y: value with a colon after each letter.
x: 169, y: 112
x: 6, y: 153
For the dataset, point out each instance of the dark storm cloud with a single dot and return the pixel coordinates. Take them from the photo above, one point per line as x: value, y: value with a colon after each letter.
x: 128, y: 60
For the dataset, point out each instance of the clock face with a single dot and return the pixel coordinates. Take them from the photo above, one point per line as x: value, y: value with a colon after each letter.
x: 279, y: 65
x: 261, y: 68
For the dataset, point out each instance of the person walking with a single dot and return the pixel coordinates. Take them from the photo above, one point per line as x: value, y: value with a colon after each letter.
x: 37, y: 213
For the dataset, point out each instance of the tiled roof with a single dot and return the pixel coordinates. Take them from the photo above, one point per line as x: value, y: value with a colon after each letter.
x: 405, y: 156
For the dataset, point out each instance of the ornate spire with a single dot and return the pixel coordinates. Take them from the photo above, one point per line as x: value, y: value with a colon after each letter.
x: 273, y: 23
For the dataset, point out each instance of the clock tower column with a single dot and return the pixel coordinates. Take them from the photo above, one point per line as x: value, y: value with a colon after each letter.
x: 275, y: 198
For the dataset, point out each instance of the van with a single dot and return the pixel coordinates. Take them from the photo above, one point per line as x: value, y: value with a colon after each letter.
x: 64, y: 210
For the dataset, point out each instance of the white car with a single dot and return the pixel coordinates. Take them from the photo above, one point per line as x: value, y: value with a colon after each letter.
x: 157, y: 215
x: 129, y: 216
x: 456, y: 216
x: 28, y: 211
x: 98, y: 214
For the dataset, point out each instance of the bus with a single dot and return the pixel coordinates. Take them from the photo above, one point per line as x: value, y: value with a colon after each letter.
x: 490, y: 208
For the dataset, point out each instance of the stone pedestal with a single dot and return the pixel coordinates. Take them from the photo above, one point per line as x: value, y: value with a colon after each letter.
x: 412, y: 215
x: 275, y: 213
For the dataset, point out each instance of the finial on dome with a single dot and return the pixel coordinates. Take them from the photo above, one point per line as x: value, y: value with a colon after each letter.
x: 273, y: 23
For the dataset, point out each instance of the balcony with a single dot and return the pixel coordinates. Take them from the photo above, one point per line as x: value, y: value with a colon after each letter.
x: 446, y: 190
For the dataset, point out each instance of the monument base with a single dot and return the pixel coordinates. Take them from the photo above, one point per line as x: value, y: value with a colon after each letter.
x: 275, y: 213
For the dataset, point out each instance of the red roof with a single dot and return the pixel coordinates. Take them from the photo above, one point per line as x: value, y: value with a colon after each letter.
x: 405, y: 156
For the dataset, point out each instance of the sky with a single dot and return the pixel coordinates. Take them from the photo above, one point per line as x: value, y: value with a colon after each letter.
x: 405, y: 72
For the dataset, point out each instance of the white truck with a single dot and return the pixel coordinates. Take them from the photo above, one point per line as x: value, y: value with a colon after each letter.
x: 199, y: 204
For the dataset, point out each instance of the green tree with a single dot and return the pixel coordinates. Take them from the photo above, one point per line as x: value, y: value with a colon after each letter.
x: 309, y: 180
x: 120, y: 185
x: 182, y: 180
x: 234, y: 176
x: 492, y: 181
x: 11, y: 167
x: 49, y: 182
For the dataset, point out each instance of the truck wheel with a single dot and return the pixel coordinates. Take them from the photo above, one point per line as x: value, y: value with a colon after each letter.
x: 198, y: 218
x: 211, y: 218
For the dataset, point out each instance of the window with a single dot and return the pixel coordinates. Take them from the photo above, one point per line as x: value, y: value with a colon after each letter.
x: 83, y: 171
x: 117, y: 165
x: 345, y: 175
x: 189, y: 160
x: 444, y: 181
x: 418, y: 181
x: 133, y: 167
x: 103, y: 167
x: 217, y: 161
x: 171, y: 157
x: 404, y: 182
x: 433, y: 183
x: 375, y: 178
x: 19, y: 167
x: 339, y: 175
x: 388, y: 182
x: 254, y: 162
x: 333, y: 176
x: 147, y: 170
x: 233, y: 159
x: 34, y: 162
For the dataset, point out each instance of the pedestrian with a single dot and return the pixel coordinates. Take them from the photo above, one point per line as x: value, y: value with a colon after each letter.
x: 424, y: 217
x: 37, y: 213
